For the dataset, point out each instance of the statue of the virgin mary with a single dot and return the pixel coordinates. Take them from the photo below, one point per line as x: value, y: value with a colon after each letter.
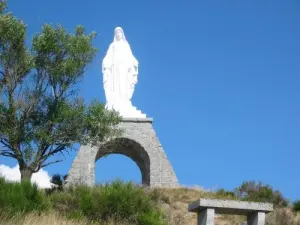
x: 120, y: 70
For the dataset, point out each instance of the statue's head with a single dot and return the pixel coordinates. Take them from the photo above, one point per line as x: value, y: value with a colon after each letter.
x: 119, y: 34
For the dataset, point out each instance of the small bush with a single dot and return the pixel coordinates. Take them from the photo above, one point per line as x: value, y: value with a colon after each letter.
x: 157, y: 195
x: 118, y: 201
x: 223, y: 193
x: 258, y: 192
x: 296, y: 206
x: 21, y: 197
x: 57, y: 180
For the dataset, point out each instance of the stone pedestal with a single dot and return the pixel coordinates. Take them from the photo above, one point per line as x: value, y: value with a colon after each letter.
x: 257, y: 218
x: 140, y: 143
x: 206, y: 217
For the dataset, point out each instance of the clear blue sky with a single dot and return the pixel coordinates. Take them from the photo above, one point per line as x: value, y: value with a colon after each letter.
x: 220, y: 78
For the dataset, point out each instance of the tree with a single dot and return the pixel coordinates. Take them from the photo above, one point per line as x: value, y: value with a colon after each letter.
x: 41, y: 113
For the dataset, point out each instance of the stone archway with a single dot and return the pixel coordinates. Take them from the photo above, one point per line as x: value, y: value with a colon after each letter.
x: 140, y: 143
x: 131, y: 149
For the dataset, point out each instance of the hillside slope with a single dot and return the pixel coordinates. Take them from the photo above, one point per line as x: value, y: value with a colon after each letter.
x: 115, y: 203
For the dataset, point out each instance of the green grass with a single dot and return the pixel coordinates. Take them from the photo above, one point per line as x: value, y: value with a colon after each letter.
x: 18, y: 198
x: 116, y: 201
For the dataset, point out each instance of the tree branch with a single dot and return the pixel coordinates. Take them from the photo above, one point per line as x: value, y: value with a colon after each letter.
x: 5, y: 143
x: 50, y: 163
x: 52, y: 152
x: 45, y: 148
x: 39, y: 156
x: 8, y: 154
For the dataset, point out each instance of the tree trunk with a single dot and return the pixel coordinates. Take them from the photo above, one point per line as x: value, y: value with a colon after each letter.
x: 26, y: 174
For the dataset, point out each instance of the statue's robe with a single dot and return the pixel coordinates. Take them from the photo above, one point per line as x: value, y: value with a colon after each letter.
x: 120, y: 69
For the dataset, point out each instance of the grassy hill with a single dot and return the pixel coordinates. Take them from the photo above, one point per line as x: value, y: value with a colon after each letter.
x: 116, y: 203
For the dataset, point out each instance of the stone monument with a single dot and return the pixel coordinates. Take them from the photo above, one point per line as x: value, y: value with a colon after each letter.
x: 138, y: 141
x: 120, y: 70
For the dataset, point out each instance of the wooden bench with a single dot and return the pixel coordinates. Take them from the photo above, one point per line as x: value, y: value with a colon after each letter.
x: 206, y: 209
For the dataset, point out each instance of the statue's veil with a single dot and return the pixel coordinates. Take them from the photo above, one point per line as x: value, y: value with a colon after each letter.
x: 128, y: 49
x: 119, y: 29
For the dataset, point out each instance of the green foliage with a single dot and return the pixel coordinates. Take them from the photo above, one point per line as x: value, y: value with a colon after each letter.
x: 120, y: 201
x: 296, y: 206
x: 100, y: 124
x: 223, y: 193
x: 2, y: 6
x: 258, y: 192
x: 41, y: 114
x: 16, y: 198
x: 117, y: 201
x: 62, y: 55
x: 57, y: 179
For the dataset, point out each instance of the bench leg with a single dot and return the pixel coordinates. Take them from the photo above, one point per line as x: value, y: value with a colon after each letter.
x: 257, y: 218
x: 206, y: 217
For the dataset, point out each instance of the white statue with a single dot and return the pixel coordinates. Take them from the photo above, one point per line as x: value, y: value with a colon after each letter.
x: 120, y: 70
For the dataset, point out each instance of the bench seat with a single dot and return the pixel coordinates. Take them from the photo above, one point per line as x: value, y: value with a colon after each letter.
x: 206, y: 209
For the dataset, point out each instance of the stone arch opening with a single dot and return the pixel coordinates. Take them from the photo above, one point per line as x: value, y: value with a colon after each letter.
x: 131, y: 149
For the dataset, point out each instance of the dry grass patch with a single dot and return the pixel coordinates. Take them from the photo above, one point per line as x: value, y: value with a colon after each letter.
x: 284, y: 216
x: 42, y: 219
x: 175, y: 204
x: 52, y: 219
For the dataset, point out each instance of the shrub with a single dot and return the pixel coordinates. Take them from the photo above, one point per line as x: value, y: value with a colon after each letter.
x: 157, y: 195
x: 258, y: 192
x: 117, y: 200
x: 296, y: 206
x: 223, y: 193
x: 57, y: 180
x: 21, y: 197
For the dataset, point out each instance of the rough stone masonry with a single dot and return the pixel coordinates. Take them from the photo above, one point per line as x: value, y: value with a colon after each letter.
x: 138, y: 142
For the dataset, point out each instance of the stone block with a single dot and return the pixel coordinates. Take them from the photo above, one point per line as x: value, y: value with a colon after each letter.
x: 206, y: 217
x: 256, y: 218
